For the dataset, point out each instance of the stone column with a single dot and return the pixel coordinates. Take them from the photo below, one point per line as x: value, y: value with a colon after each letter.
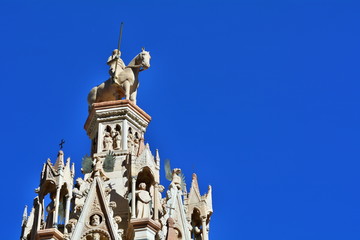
x: 39, y: 217
x: 204, y: 230
x: 67, y: 211
x: 100, y: 138
x: 156, y: 200
x: 133, y: 197
x: 125, y: 135
x: 56, y: 212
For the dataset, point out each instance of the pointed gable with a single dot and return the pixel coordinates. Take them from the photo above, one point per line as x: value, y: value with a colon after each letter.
x: 194, y: 195
x: 96, y: 217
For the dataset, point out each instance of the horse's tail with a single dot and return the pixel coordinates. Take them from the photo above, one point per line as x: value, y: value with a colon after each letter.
x: 92, y: 97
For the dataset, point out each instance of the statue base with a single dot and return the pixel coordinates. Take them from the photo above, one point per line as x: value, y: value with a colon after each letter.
x: 49, y: 234
x: 145, y: 228
x: 109, y: 124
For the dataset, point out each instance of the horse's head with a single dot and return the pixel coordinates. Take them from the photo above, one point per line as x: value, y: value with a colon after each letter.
x: 143, y: 59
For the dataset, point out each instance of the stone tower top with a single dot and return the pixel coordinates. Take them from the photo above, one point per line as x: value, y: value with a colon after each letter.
x: 120, y: 196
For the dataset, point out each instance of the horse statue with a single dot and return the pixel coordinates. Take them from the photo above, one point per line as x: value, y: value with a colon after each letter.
x: 123, y: 82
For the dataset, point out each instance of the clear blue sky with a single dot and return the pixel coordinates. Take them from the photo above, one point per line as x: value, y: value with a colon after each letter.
x: 259, y: 98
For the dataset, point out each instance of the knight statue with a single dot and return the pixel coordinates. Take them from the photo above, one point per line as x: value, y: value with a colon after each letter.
x: 123, y: 81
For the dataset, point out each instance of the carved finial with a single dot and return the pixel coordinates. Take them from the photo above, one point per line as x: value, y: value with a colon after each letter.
x: 157, y: 156
x: 68, y: 161
x: 73, y: 169
x: 60, y: 160
x: 24, y: 217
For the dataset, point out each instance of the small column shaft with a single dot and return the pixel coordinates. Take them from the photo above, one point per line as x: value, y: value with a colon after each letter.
x: 204, y: 230
x: 156, y: 207
x: 125, y: 135
x: 67, y: 213
x: 56, y: 212
x: 133, y: 201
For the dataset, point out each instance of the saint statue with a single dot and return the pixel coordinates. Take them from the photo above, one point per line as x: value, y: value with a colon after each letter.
x: 130, y: 141
x: 108, y: 141
x: 143, y: 202
x: 117, y: 139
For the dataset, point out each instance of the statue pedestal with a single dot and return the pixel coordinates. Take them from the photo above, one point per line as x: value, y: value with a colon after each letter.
x: 119, y: 118
x: 49, y: 234
x: 145, y: 228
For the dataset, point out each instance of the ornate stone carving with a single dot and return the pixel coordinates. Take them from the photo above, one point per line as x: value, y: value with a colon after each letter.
x: 117, y: 221
x: 80, y: 192
x: 95, y: 234
x: 71, y: 225
x: 95, y: 220
x: 95, y: 205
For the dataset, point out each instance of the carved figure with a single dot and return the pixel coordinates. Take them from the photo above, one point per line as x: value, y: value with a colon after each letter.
x: 50, y: 208
x: 143, y: 202
x: 98, y: 166
x: 80, y: 192
x: 160, y: 200
x: 98, y: 169
x: 108, y: 142
x: 171, y: 233
x: 136, y: 145
x: 95, y: 220
x: 71, y: 225
x: 176, y: 177
x: 115, y: 63
x: 117, y: 139
x: 130, y: 141
x: 124, y: 83
x: 96, y: 236
x: 117, y: 221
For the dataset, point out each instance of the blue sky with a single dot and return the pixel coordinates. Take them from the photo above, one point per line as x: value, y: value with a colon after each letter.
x: 259, y: 98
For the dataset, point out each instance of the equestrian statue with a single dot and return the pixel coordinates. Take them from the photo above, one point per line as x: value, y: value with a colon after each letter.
x: 123, y: 81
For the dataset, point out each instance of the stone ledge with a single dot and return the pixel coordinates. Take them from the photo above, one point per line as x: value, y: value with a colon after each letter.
x: 50, y: 233
x: 97, y: 110
x: 145, y: 223
x: 117, y: 103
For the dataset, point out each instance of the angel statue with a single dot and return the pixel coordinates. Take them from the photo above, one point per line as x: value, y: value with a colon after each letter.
x: 98, y: 166
x: 176, y: 177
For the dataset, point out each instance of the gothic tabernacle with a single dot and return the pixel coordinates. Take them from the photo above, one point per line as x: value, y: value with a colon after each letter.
x: 120, y: 196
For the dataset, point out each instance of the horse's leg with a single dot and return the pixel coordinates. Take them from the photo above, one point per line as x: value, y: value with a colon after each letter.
x: 133, y: 96
x: 126, y: 85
